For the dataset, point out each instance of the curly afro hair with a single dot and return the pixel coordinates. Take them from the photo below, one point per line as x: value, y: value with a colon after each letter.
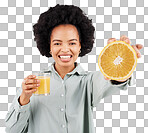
x: 63, y: 14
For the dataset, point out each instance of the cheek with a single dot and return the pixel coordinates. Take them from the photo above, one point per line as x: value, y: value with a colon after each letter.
x: 54, y: 50
x: 77, y: 50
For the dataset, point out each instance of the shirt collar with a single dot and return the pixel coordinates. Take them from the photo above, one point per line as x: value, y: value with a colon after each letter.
x: 78, y: 69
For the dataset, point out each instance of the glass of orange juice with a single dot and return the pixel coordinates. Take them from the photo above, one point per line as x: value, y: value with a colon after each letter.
x: 44, y: 88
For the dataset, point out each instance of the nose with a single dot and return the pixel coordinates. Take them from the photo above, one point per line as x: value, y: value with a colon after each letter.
x: 65, y: 48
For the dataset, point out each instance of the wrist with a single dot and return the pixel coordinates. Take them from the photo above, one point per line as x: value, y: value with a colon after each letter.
x: 117, y: 82
x: 23, y: 100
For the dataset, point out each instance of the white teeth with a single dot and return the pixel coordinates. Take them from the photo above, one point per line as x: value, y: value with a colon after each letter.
x: 65, y: 57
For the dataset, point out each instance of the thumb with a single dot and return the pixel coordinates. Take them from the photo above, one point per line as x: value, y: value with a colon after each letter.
x: 106, y: 78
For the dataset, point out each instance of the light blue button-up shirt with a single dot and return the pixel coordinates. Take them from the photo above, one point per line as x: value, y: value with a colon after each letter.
x: 68, y: 108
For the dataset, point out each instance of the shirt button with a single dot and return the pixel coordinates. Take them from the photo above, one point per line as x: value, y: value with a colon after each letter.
x: 63, y: 126
x: 62, y: 95
x: 62, y: 109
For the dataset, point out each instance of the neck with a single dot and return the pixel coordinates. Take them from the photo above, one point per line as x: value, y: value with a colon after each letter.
x: 62, y: 71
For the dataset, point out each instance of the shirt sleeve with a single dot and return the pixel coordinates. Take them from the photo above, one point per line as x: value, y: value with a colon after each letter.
x: 16, y: 120
x: 101, y: 88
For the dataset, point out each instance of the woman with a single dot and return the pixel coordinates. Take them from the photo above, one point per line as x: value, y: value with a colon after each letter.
x: 64, y: 33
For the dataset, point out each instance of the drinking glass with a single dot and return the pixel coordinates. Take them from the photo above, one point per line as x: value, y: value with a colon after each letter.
x: 44, y: 88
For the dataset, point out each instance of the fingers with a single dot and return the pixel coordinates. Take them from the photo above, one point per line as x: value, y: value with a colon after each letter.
x: 111, y: 40
x: 32, y: 86
x: 30, y: 82
x: 30, y: 91
x: 31, y: 79
x: 125, y: 39
x: 29, y: 86
x: 136, y: 47
x: 122, y: 38
x: 137, y: 51
x: 139, y: 46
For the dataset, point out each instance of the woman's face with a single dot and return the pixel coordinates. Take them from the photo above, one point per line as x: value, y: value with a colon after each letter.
x: 65, y: 45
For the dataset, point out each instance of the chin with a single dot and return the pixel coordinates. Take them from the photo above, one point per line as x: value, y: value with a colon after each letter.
x: 66, y: 64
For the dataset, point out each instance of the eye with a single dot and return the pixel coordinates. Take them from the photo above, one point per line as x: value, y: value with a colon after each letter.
x: 72, y: 43
x: 57, y: 44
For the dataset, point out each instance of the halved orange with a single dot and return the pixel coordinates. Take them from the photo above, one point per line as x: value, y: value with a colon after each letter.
x: 117, y: 60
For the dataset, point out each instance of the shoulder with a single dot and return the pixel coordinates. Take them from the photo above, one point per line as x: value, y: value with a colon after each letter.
x: 94, y: 75
x: 79, y: 69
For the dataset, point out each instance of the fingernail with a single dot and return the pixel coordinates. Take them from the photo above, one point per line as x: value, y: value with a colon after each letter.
x: 126, y: 40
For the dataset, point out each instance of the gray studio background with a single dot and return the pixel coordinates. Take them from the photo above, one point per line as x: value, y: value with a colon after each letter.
x: 124, y: 112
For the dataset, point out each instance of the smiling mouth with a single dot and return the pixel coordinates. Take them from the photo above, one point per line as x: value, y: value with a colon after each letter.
x: 65, y: 56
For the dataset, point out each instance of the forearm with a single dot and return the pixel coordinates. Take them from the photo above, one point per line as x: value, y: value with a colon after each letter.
x: 17, y: 117
x: 102, y: 88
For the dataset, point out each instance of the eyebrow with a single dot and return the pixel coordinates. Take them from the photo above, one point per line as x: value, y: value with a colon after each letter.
x: 68, y: 40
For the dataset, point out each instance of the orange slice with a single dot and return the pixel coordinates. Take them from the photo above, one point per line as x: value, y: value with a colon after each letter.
x: 117, y: 60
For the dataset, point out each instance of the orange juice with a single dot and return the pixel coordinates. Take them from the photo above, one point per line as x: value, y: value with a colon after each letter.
x: 44, y: 87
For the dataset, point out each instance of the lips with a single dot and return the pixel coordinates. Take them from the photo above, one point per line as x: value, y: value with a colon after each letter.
x: 65, y: 58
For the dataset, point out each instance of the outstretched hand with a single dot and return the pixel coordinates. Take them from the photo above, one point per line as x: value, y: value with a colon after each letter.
x: 136, y: 47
